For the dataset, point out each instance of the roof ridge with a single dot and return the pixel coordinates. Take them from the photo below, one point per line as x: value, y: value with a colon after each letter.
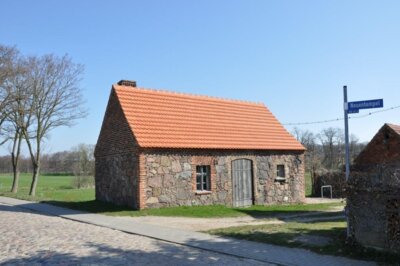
x: 394, y: 127
x: 163, y: 118
x: 165, y: 91
x: 390, y: 124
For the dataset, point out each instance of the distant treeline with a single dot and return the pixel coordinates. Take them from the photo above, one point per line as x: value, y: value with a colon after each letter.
x: 59, y: 163
x: 326, y: 149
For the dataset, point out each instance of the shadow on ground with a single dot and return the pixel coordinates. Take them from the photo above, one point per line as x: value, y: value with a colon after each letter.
x: 92, y: 206
x: 284, y: 215
x: 102, y: 254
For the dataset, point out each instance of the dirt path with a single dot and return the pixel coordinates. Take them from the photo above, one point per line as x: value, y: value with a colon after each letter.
x: 322, y: 200
x: 199, y: 224
x: 203, y: 224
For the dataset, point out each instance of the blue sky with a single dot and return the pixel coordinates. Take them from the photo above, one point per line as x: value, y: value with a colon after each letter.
x: 294, y: 56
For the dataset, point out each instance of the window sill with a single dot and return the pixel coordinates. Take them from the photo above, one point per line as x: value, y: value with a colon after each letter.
x: 202, y: 192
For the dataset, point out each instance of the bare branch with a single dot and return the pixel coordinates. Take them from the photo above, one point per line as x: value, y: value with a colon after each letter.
x: 55, y: 100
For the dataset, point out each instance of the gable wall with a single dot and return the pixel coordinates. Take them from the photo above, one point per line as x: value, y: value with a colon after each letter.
x: 373, y: 202
x: 170, y: 177
x: 383, y: 148
x: 373, y: 193
x: 116, y: 157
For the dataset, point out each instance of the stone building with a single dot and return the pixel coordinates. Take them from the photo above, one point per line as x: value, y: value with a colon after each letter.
x: 373, y: 192
x: 159, y: 148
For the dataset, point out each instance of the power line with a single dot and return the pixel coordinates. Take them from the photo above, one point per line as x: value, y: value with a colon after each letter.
x: 341, y: 119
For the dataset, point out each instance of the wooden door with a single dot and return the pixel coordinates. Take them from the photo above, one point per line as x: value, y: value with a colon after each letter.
x: 242, y: 183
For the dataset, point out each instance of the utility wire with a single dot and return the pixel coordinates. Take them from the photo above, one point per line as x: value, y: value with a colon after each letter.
x: 341, y: 119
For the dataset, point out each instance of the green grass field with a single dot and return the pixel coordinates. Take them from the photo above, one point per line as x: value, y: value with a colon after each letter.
x: 58, y: 190
x: 308, y: 184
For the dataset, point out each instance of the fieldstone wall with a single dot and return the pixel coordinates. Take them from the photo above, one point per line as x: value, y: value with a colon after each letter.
x: 271, y: 191
x: 373, y: 202
x: 171, y: 178
x: 116, y: 179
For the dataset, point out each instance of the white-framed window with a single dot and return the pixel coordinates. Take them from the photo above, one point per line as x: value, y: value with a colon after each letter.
x: 203, y: 178
x: 280, y: 173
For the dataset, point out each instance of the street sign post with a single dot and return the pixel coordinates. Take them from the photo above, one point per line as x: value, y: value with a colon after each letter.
x: 353, y: 108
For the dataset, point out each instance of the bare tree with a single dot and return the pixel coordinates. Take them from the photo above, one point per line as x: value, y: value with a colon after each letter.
x: 13, y: 91
x: 333, y: 147
x: 312, y: 157
x: 56, y: 101
x: 83, y: 157
x: 355, y: 146
x: 19, y: 110
x: 8, y: 57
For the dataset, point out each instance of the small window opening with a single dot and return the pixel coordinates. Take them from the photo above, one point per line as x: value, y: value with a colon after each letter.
x: 280, y: 173
x: 203, y: 178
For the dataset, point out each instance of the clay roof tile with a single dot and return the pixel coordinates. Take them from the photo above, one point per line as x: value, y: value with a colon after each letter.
x: 164, y: 119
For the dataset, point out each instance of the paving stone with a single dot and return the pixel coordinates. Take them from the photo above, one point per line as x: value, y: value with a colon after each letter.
x: 35, y: 239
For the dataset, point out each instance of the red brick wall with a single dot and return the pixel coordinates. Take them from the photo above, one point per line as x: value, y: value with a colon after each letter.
x: 115, y: 136
x: 384, y: 148
x: 117, y: 160
x: 142, y: 175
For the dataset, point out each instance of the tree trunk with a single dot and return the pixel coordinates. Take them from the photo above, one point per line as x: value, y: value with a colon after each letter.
x: 35, y: 179
x: 14, y: 188
x: 15, y: 160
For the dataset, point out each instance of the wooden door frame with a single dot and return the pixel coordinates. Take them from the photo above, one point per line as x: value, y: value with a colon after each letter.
x: 252, y: 179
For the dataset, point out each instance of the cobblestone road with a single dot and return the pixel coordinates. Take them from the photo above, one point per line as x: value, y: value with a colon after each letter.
x: 36, y: 239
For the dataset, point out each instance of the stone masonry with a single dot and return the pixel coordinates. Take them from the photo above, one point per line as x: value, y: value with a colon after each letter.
x: 171, y: 178
x: 128, y: 174
x: 373, y: 192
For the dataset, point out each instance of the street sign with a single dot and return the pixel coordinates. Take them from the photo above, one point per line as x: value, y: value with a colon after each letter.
x: 353, y: 111
x: 354, y: 107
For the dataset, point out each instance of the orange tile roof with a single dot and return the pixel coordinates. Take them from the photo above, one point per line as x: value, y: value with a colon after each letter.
x: 161, y: 119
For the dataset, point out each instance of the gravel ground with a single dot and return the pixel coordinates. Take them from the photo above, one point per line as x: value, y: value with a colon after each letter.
x: 35, y: 239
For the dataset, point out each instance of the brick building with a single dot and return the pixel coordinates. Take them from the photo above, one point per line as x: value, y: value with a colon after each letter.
x: 384, y: 148
x: 373, y: 192
x: 159, y: 148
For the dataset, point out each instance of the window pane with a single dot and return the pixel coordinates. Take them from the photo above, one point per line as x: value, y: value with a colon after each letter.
x: 203, y: 177
x: 204, y: 169
x: 207, y: 178
x: 280, y: 170
x: 198, y: 181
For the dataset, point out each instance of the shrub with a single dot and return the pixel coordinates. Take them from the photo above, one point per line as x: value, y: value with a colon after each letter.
x: 83, y: 182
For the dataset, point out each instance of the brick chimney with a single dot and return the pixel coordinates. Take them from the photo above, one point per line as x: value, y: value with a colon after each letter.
x: 130, y: 83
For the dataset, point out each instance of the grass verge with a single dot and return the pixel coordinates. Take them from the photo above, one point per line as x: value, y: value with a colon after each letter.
x: 290, y: 233
x: 308, y: 184
x: 215, y: 211
x: 58, y: 190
